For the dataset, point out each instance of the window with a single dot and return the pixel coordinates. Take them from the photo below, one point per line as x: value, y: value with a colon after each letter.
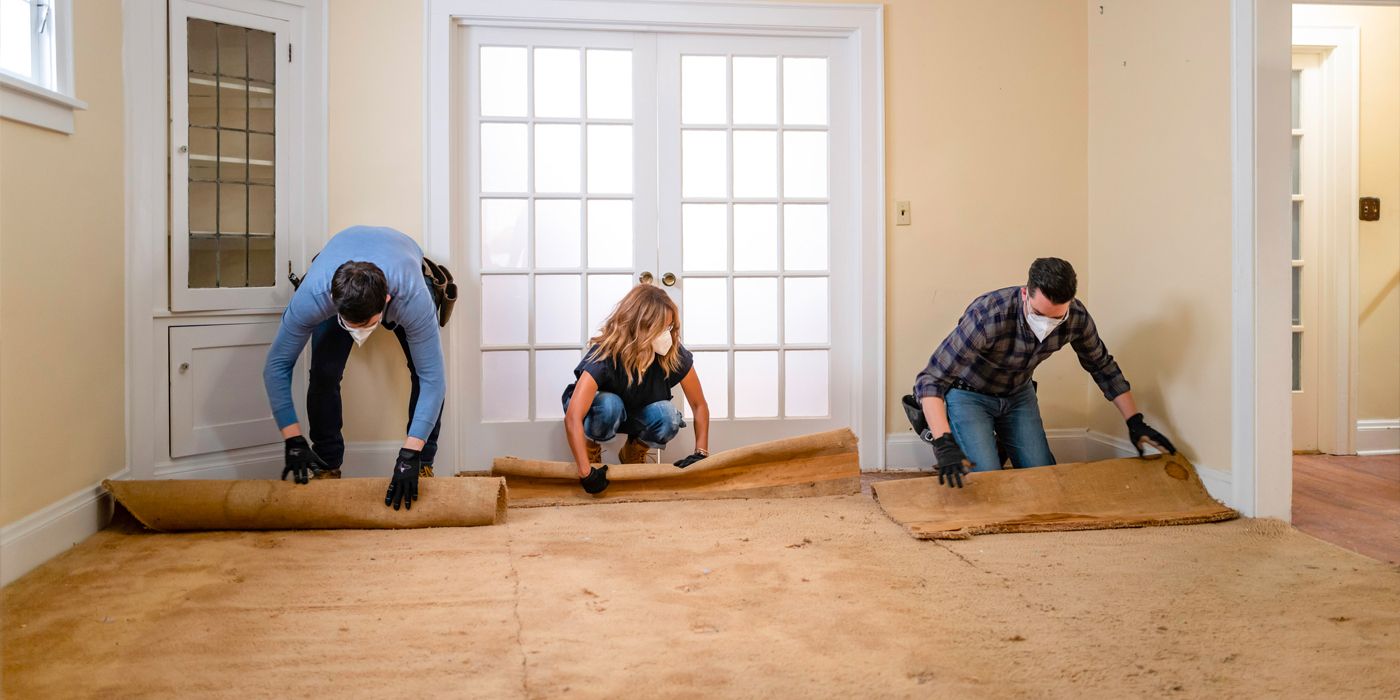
x: 36, y: 72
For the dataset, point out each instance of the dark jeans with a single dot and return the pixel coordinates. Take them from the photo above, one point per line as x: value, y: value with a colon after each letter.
x: 655, y: 425
x: 981, y: 423
x: 330, y: 349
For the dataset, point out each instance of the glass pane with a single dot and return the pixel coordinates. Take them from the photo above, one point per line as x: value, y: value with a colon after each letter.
x: 200, y: 41
x: 610, y: 233
x: 505, y: 310
x: 262, y: 262
x: 755, y: 163
x: 610, y: 159
x: 204, y: 145
x: 262, y: 101
x: 204, y: 105
x: 262, y: 56
x: 604, y: 291
x: 204, y: 262
x: 554, y: 370
x: 505, y: 385
x: 1297, y: 296
x: 557, y: 88
x: 1297, y: 230
x: 503, y: 81
x: 16, y: 37
x: 1297, y: 361
x: 262, y: 210
x: 233, y: 104
x: 805, y: 310
x: 1297, y: 111
x: 805, y: 237
x: 503, y: 158
x: 609, y: 84
x: 704, y: 239
x: 262, y: 151
x: 705, y: 311
x: 712, y: 368
x: 804, y: 163
x: 703, y: 90
x: 804, y: 90
x: 704, y: 159
x: 233, y: 152
x: 233, y: 209
x: 203, y: 207
x: 504, y: 233
x: 805, y: 383
x: 233, y: 261
x: 755, y: 90
x: 558, y: 309
x: 755, y: 237
x: 755, y: 384
x: 557, y: 232
x: 755, y: 310
x: 233, y: 51
x: 1297, y: 165
x: 557, y: 158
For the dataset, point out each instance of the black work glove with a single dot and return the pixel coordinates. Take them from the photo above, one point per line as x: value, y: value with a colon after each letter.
x: 300, y: 460
x: 692, y: 459
x: 403, y: 486
x: 1140, y: 432
x: 952, y: 463
x: 596, y: 481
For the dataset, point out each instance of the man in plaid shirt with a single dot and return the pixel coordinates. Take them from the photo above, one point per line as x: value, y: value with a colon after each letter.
x: 976, y: 393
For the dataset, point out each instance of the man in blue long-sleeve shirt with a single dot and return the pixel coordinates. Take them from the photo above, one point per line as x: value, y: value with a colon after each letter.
x: 364, y: 277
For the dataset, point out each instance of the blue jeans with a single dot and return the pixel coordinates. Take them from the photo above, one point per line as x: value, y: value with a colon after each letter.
x: 980, y: 421
x: 655, y: 425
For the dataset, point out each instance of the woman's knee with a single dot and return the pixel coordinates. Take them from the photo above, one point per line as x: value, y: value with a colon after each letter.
x: 604, y: 417
x: 660, y: 421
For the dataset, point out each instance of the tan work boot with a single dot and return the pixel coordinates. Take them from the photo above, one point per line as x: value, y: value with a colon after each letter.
x: 634, y: 452
x: 425, y: 470
x: 595, y: 451
x: 326, y: 474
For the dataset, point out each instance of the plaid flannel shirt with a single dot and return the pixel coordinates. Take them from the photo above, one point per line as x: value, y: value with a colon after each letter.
x: 993, y: 351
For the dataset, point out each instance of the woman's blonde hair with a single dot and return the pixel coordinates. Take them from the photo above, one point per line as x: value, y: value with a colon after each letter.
x: 626, y: 336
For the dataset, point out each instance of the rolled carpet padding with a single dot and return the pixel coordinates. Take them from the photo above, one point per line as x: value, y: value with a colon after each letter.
x: 820, y: 464
x: 1102, y: 495
x: 329, y: 504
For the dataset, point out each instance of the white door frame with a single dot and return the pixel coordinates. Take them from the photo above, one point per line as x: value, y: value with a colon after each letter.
x: 861, y: 25
x: 1261, y: 50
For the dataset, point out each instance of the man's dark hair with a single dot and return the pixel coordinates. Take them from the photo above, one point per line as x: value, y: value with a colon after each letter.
x: 358, y: 290
x: 1054, y: 278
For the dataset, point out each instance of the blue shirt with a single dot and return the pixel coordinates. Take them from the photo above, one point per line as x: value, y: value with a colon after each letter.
x: 410, y: 306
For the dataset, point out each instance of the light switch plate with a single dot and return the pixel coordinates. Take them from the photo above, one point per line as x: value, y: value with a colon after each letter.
x: 901, y: 213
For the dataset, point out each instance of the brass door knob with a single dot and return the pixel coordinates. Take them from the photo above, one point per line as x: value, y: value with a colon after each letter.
x: 644, y: 278
x: 669, y: 279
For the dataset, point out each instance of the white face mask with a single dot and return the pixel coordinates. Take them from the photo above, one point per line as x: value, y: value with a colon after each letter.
x: 1041, y: 326
x: 661, y: 344
x: 359, y: 334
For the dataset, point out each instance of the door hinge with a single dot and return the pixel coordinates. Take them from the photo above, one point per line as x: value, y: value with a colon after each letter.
x: 289, y: 53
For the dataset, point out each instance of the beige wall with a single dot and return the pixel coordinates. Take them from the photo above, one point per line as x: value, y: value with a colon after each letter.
x: 1378, y: 282
x: 989, y: 146
x: 1159, y: 213
x: 61, y: 276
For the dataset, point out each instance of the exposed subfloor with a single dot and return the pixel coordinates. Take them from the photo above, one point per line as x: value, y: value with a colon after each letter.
x: 818, y: 597
x: 1352, y: 502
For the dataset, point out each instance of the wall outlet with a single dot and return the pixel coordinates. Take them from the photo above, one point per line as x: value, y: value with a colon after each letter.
x: 901, y: 213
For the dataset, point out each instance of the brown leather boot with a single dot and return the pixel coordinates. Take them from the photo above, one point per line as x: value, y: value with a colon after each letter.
x: 634, y: 452
x: 326, y: 474
x: 595, y: 451
x: 425, y: 470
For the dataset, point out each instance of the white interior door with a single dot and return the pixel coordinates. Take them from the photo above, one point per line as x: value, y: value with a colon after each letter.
x: 1306, y: 236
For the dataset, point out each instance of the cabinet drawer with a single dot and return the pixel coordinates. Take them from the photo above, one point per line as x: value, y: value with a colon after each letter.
x: 217, y: 400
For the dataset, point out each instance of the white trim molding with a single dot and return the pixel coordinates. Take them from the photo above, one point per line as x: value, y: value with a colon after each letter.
x: 1378, y: 437
x: 861, y: 25
x: 23, y: 101
x: 43, y: 535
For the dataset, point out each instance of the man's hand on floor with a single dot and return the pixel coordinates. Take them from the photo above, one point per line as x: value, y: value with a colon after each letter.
x: 952, y: 463
x: 403, y: 486
x: 1141, y: 434
x: 300, y: 460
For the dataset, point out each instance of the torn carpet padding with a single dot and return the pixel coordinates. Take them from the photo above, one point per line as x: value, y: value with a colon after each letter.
x: 821, y: 464
x: 1082, y: 496
x: 329, y: 504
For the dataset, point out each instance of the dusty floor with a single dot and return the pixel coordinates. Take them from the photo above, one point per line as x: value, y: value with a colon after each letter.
x: 820, y: 597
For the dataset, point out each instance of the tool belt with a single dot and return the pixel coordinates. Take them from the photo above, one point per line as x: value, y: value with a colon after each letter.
x: 439, y: 281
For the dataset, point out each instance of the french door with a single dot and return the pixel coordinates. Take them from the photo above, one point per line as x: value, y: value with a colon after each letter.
x: 1307, y: 220
x: 711, y: 166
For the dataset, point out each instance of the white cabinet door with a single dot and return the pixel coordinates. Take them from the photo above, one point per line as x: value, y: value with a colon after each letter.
x: 217, y: 401
x: 235, y: 127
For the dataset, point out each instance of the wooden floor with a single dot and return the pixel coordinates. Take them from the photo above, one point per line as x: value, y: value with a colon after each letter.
x: 1352, y: 502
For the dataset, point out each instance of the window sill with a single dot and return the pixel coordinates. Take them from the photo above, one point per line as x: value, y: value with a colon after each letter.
x: 25, y: 102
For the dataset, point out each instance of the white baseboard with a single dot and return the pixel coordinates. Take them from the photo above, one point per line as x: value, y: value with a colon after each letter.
x: 1378, y: 436
x: 906, y: 452
x: 43, y: 535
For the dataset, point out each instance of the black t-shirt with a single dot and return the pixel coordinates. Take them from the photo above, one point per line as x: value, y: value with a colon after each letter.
x: 655, y: 385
